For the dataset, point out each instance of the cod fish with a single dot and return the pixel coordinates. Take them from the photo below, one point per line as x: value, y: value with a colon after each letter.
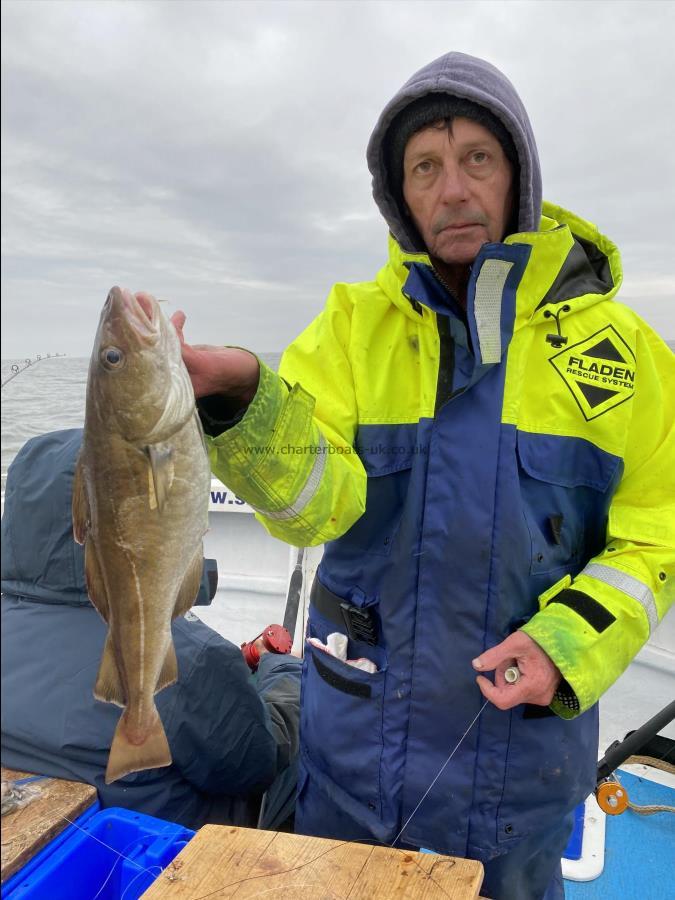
x: 140, y: 507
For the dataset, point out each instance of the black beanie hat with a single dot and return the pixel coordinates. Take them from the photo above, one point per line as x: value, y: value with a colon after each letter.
x: 426, y: 110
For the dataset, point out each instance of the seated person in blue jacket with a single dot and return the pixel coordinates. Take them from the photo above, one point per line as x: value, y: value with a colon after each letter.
x: 233, y: 737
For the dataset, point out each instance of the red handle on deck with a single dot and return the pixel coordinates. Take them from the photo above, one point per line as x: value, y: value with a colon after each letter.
x: 275, y: 638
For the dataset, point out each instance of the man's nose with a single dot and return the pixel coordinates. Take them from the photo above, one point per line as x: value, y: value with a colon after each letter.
x: 454, y: 184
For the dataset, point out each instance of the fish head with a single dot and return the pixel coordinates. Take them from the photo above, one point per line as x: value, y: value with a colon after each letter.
x: 138, y: 383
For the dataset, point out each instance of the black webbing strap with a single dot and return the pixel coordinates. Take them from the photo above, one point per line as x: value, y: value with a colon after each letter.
x: 587, y: 607
x: 360, y: 624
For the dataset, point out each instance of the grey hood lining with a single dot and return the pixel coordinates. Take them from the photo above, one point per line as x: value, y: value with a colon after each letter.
x: 586, y: 270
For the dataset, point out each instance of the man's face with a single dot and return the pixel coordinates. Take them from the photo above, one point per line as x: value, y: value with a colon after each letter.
x: 457, y: 186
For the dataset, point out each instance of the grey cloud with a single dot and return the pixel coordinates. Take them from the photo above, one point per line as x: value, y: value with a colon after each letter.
x: 214, y: 152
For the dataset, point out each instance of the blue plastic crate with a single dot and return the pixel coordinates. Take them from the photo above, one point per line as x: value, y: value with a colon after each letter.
x: 114, y: 852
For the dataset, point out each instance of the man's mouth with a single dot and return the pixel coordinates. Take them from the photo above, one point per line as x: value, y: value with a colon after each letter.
x: 464, y: 226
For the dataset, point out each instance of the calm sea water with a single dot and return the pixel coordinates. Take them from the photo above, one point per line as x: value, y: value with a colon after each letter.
x: 46, y: 396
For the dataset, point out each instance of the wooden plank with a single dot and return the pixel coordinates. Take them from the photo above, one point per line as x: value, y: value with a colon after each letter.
x: 418, y: 876
x: 225, y: 862
x: 30, y: 828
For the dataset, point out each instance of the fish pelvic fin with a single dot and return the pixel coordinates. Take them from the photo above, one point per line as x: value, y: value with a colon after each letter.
x: 94, y: 578
x: 109, y: 687
x: 169, y: 673
x: 127, y: 757
x: 187, y: 593
x: 80, y: 504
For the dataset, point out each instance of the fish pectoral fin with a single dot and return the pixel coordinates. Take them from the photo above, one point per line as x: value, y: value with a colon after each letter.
x: 187, y: 593
x: 169, y: 673
x: 109, y: 687
x: 80, y: 504
x: 94, y: 579
x: 127, y: 757
x: 160, y: 474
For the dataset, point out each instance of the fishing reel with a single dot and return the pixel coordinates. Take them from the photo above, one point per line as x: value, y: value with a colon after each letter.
x: 275, y: 639
x: 611, y: 796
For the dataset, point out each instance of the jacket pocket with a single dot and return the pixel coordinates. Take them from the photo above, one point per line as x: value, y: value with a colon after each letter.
x: 551, y: 766
x: 341, y: 722
x: 566, y: 485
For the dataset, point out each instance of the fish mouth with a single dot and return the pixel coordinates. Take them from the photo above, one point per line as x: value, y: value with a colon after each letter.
x: 140, y: 312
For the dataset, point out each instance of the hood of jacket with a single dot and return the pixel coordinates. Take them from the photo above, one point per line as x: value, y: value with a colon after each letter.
x: 40, y: 559
x: 571, y: 263
x: 472, y: 79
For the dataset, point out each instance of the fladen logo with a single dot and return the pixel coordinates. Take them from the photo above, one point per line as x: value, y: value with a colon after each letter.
x: 599, y: 371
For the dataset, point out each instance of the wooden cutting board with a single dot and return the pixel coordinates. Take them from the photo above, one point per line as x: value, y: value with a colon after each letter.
x: 28, y: 829
x: 224, y: 861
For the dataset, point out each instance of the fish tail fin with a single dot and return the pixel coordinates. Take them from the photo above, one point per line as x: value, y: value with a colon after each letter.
x: 109, y: 687
x: 126, y: 756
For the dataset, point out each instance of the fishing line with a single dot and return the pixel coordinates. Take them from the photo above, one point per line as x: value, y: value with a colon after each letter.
x: 123, y: 856
x: 369, y: 840
x: 138, y: 875
x: 117, y: 852
x: 440, y: 772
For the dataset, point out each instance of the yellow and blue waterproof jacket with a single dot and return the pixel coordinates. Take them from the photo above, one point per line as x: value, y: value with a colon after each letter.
x: 469, y: 475
x: 466, y: 485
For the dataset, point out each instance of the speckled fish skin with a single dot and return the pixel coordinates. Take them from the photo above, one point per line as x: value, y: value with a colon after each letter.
x: 140, y: 507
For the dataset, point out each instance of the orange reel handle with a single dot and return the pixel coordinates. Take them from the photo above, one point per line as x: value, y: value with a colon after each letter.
x: 612, y: 797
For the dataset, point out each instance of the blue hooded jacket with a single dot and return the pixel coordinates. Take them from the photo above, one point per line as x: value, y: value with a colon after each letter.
x: 229, y: 733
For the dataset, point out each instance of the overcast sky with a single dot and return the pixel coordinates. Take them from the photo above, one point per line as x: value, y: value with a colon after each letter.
x: 214, y: 152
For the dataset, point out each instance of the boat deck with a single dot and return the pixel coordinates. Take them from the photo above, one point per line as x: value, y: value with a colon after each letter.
x: 639, y: 860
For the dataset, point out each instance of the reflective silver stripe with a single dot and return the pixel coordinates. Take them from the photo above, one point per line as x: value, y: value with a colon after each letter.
x: 635, y: 588
x: 488, y: 307
x: 310, y: 487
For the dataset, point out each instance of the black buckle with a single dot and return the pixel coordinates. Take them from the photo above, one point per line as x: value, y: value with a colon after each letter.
x: 360, y: 623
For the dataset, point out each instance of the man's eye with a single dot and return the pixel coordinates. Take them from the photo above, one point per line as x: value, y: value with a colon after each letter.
x: 479, y: 156
x: 424, y: 167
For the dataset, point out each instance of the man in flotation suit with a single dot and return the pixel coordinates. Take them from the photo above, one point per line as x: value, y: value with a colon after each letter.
x: 483, y: 439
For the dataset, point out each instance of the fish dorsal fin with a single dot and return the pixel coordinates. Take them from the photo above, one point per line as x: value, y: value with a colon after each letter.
x: 160, y: 473
x: 190, y: 586
x: 80, y: 504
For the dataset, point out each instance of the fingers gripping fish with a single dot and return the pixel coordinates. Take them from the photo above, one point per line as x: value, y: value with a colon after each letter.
x: 140, y: 507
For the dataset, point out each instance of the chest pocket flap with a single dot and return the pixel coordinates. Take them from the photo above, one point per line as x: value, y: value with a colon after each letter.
x: 566, y: 486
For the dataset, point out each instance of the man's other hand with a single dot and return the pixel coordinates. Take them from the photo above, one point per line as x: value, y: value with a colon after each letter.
x: 218, y: 370
x: 539, y: 677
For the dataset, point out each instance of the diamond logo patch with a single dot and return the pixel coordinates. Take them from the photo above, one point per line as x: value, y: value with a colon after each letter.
x: 599, y: 371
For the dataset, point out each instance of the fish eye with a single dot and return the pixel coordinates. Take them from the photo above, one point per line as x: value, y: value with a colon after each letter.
x: 112, y: 358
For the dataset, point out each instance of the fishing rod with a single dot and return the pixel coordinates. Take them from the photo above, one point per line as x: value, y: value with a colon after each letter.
x: 17, y: 369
